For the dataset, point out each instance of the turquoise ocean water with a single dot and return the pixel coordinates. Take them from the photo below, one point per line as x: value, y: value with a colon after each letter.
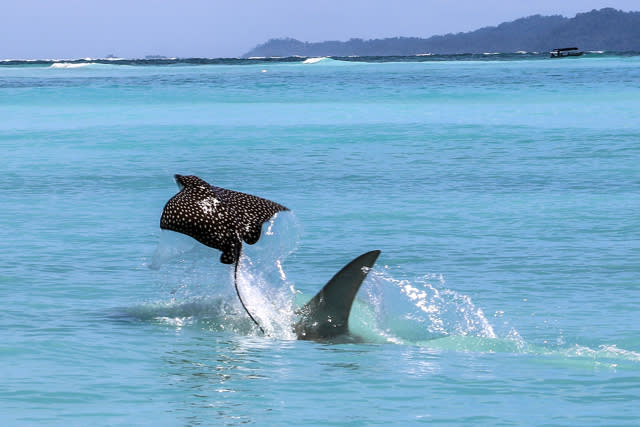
x: 503, y: 191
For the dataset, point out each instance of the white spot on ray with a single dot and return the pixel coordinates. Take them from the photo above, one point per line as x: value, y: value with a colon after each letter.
x: 208, y: 205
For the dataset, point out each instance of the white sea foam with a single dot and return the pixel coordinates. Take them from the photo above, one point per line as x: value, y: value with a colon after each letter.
x: 71, y: 64
x: 315, y: 60
x: 603, y: 352
x: 19, y: 60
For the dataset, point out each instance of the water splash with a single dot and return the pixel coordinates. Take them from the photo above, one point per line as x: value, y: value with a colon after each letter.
x: 394, y: 310
x: 418, y: 310
x: 201, y: 289
x: 172, y: 246
x: 424, y: 312
x: 270, y: 301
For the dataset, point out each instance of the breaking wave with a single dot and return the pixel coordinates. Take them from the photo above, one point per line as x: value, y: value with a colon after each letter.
x: 71, y: 64
x: 323, y: 59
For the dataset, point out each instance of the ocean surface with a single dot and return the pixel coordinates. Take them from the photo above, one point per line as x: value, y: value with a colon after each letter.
x: 503, y: 192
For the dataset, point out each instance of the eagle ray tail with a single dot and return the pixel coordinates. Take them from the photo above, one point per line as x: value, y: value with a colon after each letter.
x: 235, y: 282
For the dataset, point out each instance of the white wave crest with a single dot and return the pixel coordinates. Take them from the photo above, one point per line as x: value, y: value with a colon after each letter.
x: 316, y: 60
x: 71, y: 64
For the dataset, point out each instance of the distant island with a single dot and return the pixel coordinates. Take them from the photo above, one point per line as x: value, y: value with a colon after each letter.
x: 604, y: 29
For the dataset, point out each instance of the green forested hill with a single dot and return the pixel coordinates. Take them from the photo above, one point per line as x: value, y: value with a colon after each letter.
x: 605, y: 29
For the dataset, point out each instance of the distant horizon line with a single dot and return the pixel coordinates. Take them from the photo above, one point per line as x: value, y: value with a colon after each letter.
x: 194, y: 59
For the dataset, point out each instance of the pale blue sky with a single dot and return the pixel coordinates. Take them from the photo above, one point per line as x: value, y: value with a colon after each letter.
x: 228, y: 28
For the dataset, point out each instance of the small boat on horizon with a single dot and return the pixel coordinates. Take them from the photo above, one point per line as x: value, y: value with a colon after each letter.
x: 565, y: 52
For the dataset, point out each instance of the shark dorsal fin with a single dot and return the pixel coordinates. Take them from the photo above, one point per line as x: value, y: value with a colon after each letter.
x: 327, y: 314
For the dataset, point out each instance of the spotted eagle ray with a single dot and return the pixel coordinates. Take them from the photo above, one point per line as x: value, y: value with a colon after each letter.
x: 217, y: 217
x: 223, y: 219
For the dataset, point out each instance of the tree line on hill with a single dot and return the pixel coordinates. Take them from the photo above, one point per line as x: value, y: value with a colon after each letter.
x: 605, y: 29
